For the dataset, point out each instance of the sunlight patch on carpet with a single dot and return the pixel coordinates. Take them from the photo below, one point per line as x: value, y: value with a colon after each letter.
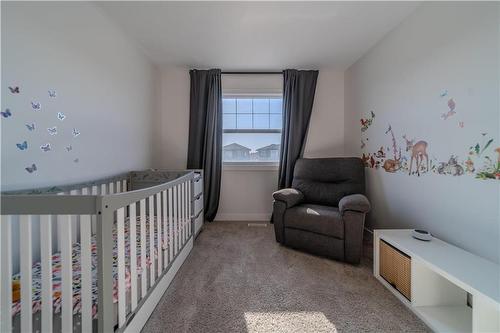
x: 288, y: 322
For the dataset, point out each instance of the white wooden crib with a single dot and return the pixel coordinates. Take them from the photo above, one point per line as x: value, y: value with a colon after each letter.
x: 96, y: 256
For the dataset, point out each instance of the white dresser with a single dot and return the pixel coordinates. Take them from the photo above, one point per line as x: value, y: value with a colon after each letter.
x: 198, y: 212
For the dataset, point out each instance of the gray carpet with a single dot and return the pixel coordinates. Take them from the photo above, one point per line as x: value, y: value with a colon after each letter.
x: 238, y: 279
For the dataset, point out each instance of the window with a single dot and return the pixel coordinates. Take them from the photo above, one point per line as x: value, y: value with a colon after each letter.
x: 252, y: 128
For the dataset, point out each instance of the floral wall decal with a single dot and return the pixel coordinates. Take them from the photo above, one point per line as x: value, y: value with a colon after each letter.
x: 367, y: 122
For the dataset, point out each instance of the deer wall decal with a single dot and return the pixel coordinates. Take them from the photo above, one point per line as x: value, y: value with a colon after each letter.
x: 409, y: 143
x: 418, y: 152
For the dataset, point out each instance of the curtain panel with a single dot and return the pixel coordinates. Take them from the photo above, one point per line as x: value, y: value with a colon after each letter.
x: 205, y: 134
x: 299, y: 87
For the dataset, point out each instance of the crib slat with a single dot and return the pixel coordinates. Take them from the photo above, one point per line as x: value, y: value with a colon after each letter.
x: 176, y: 233
x: 26, y: 274
x: 46, y: 263
x: 118, y: 187
x: 151, y: 242
x: 120, y: 230
x: 2, y: 310
x: 179, y: 218
x: 159, y: 233
x: 93, y: 218
x: 165, y: 234
x: 111, y: 188
x: 124, y: 185
x: 170, y: 225
x: 86, y: 272
x: 142, y: 213
x: 190, y: 188
x: 133, y: 255
x: 74, y: 220
x: 186, y: 208
x: 103, y: 189
x: 184, y: 213
x: 188, y: 215
x: 64, y: 227
x: 6, y: 273
x: 2, y: 278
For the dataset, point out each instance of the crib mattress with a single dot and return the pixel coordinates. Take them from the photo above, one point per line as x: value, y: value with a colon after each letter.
x: 76, y: 268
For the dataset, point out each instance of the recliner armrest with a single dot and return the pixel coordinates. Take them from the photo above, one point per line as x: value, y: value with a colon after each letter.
x: 354, y: 202
x: 289, y: 196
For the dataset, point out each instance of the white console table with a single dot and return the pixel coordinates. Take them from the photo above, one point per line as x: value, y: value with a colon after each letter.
x: 441, y: 277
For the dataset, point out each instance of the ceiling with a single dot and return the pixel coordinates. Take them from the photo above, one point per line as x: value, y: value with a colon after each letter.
x: 257, y: 35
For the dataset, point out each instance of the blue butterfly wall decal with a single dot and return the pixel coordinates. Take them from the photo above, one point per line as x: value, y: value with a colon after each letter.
x: 52, y: 93
x: 14, y: 90
x: 36, y: 106
x: 46, y: 147
x: 69, y: 148
x: 31, y: 168
x: 75, y: 132
x: 6, y: 113
x: 61, y: 116
x: 22, y: 146
x: 76, y: 160
x: 30, y: 127
x: 52, y: 130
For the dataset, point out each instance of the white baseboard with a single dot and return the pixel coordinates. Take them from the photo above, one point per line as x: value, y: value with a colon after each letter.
x: 244, y: 217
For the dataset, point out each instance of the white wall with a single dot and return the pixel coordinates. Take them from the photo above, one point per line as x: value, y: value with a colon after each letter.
x: 326, y: 129
x: 172, y: 119
x: 246, y: 194
x: 104, y: 87
x: 445, y: 46
x: 325, y: 137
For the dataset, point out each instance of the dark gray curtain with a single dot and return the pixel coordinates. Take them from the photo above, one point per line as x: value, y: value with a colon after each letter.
x: 205, y: 134
x: 298, y: 97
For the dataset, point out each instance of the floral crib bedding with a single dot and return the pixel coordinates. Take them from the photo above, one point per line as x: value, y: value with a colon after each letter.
x: 76, y: 269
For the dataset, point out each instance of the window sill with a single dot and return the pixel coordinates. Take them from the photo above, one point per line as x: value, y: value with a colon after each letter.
x: 250, y: 166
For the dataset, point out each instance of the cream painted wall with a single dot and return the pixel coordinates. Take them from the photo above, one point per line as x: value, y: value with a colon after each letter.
x: 441, y: 46
x: 254, y: 202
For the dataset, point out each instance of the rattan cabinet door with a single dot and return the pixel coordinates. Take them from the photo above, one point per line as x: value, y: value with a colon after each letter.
x: 395, y: 268
x: 387, y: 269
x: 402, y: 264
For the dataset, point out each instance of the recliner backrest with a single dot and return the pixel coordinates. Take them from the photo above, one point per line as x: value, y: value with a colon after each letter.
x: 324, y: 181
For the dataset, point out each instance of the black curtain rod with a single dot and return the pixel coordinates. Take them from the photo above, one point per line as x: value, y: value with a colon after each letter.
x: 235, y: 73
